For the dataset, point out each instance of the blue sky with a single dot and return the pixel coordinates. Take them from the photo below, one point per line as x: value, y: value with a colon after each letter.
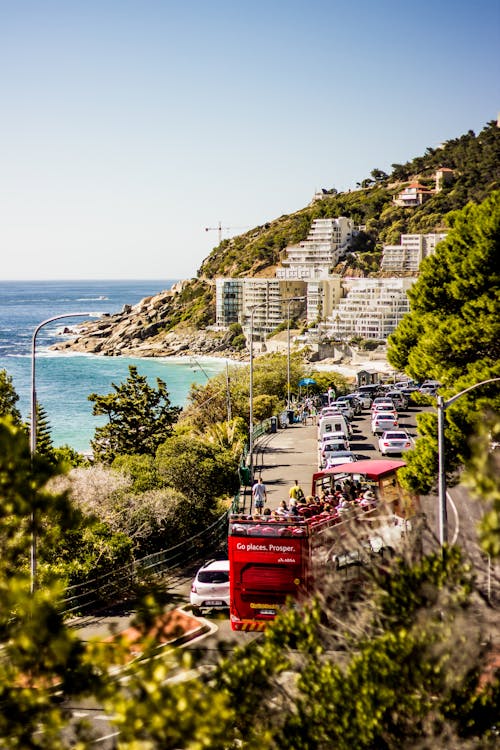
x: 129, y: 127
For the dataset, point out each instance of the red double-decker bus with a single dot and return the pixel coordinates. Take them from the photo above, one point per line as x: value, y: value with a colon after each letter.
x: 273, y: 560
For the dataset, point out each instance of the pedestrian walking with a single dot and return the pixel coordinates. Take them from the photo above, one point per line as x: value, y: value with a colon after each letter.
x: 259, y: 494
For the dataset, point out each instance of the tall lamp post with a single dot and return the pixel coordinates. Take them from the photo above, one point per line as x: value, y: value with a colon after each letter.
x: 33, y: 422
x: 288, y: 301
x: 442, y: 405
x: 250, y: 392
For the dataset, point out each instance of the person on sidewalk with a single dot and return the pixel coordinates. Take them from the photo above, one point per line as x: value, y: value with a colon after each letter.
x: 259, y: 494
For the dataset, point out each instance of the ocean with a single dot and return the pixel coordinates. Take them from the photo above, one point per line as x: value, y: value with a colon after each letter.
x: 64, y: 380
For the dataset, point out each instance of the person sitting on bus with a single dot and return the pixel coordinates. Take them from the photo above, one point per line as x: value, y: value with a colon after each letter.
x: 282, y: 508
x: 368, y: 500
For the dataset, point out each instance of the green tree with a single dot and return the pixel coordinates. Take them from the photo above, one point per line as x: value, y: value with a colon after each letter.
x: 8, y: 398
x: 38, y: 651
x: 44, y: 444
x: 198, y: 469
x: 140, y: 418
x: 452, y: 333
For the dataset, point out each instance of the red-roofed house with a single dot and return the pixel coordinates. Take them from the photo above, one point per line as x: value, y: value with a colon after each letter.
x: 413, y: 195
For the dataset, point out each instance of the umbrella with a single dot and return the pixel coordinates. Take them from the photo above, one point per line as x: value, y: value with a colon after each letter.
x: 307, y: 381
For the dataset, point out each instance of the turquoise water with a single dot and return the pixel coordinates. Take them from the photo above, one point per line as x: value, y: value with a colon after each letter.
x: 64, y: 381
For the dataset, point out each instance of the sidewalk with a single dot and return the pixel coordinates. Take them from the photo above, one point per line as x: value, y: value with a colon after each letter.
x: 288, y: 454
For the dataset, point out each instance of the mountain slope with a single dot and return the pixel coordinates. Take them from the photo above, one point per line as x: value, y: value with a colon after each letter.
x: 164, y: 324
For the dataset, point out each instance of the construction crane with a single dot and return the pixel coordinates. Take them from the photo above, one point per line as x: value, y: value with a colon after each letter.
x: 219, y: 228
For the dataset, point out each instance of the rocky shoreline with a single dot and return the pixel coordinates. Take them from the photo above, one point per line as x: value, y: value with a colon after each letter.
x: 138, y: 331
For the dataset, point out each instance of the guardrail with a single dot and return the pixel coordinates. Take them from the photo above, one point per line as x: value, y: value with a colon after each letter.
x: 120, y: 584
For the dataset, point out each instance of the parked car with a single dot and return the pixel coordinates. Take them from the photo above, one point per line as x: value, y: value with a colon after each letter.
x: 382, y: 421
x: 210, y: 587
x: 394, y: 441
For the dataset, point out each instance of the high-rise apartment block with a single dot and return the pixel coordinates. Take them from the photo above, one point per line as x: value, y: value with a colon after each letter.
x: 407, y: 257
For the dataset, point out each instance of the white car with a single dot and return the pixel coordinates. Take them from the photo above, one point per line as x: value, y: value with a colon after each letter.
x: 340, y: 457
x: 364, y: 399
x: 384, y: 420
x: 399, y: 399
x: 382, y: 401
x: 394, y: 441
x: 345, y: 408
x: 210, y: 588
x: 330, y: 447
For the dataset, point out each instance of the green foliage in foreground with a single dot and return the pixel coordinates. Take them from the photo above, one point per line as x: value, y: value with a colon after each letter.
x: 9, y: 398
x: 400, y: 668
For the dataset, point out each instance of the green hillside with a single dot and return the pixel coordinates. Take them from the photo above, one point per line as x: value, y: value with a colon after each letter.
x: 475, y: 161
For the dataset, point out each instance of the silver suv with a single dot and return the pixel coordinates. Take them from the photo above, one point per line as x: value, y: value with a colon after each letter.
x: 210, y: 588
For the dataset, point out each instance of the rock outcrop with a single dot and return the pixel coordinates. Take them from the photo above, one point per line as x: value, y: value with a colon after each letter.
x: 145, y: 330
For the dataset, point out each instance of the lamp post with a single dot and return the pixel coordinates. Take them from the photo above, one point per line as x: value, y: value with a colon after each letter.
x: 288, y: 301
x: 442, y: 405
x: 250, y: 391
x: 33, y: 424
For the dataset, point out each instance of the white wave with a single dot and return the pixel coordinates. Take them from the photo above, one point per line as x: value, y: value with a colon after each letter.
x: 92, y: 299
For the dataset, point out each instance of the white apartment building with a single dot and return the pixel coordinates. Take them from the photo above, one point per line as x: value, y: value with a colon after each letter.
x: 314, y: 258
x: 407, y: 257
x: 323, y: 296
x: 372, y: 308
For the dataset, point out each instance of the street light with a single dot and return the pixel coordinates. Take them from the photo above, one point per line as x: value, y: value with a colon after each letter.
x: 250, y: 392
x: 288, y: 301
x: 442, y: 405
x: 33, y: 424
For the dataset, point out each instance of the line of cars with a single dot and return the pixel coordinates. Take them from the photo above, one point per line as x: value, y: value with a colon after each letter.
x: 335, y: 430
x: 392, y: 439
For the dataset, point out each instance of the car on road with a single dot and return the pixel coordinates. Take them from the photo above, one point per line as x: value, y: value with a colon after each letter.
x: 381, y: 401
x: 398, y: 398
x: 394, y: 442
x: 364, y: 399
x: 351, y: 399
x: 210, y: 587
x: 340, y: 457
x: 429, y: 387
x: 332, y: 446
x: 383, y: 421
x: 344, y: 408
x: 384, y: 406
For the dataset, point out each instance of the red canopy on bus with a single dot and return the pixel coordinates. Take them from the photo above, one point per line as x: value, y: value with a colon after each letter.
x: 372, y: 468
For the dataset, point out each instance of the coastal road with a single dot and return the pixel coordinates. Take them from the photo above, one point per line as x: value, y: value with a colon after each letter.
x: 280, y: 458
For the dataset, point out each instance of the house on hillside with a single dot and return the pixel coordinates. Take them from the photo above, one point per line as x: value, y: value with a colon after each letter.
x: 413, y: 195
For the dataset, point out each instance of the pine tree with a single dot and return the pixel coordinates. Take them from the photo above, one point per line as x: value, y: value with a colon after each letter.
x: 140, y: 418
